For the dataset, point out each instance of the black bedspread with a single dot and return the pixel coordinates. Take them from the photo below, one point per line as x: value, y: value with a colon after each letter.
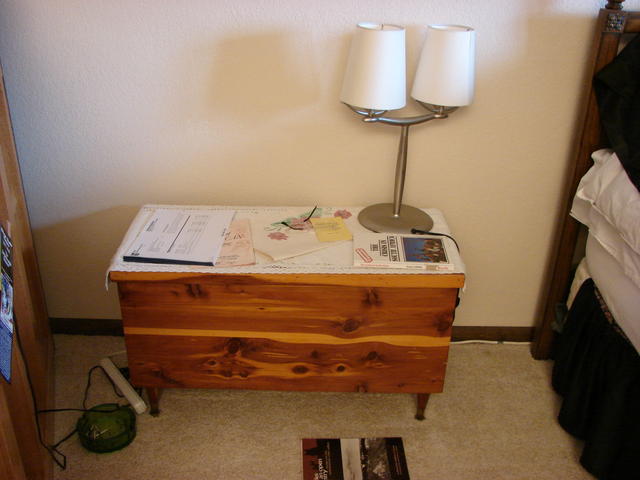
x: 617, y: 88
x: 597, y: 371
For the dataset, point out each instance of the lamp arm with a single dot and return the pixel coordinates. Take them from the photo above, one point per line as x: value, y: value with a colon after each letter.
x: 372, y: 116
x: 437, y: 112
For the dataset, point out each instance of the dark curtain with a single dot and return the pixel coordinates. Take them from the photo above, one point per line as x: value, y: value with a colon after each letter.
x: 597, y: 371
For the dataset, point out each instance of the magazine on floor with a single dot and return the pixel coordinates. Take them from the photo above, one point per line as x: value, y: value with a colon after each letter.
x: 390, y: 250
x: 354, y: 459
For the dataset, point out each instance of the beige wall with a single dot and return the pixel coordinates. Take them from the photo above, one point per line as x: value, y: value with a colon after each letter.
x: 120, y: 103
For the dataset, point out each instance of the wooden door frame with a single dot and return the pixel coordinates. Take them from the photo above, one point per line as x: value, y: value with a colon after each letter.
x: 22, y: 454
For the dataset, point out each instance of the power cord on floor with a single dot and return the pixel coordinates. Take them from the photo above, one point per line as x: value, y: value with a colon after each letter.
x: 58, y: 457
x: 488, y: 342
x: 52, y: 450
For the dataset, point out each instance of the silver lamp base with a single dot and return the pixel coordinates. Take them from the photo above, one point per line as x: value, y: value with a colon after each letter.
x: 380, y: 218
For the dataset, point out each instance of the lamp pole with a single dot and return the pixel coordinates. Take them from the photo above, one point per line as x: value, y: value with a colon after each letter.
x: 396, y: 217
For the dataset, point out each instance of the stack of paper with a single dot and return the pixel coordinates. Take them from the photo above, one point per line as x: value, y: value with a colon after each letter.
x: 181, y: 236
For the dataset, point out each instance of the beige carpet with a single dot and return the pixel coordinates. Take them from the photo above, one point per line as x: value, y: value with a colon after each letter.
x: 495, y: 420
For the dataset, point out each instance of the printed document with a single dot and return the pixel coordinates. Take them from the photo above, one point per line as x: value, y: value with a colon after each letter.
x: 181, y: 236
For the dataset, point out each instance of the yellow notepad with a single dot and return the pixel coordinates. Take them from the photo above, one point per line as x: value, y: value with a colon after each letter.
x: 330, y: 229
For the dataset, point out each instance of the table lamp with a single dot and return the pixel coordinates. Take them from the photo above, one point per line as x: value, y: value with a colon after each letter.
x: 374, y: 83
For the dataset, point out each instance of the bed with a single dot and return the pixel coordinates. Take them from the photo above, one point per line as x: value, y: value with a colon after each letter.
x: 591, y: 311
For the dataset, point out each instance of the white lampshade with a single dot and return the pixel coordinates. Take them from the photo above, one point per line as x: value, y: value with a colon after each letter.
x: 375, y: 77
x: 446, y: 72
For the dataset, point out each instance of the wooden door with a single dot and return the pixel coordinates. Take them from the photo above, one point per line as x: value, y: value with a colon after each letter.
x: 21, y: 454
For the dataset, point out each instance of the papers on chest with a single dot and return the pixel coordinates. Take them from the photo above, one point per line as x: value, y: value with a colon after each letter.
x: 180, y: 236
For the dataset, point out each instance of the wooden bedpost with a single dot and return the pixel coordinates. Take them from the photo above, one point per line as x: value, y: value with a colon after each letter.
x: 611, y: 25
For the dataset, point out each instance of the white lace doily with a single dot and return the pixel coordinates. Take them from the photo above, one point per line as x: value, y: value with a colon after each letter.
x: 332, y: 258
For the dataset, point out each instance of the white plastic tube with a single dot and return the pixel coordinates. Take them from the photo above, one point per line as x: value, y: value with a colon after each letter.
x: 125, y: 387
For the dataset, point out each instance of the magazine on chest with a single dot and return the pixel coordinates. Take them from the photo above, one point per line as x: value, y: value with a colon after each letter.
x: 393, y: 250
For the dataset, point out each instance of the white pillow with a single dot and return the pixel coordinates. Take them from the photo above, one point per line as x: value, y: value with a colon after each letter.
x: 609, y: 204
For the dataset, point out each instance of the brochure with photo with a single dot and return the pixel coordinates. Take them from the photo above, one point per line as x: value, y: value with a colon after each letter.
x: 354, y: 459
x: 390, y: 250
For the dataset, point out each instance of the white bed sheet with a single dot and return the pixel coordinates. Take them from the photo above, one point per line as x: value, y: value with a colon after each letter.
x: 621, y: 295
x: 609, y: 204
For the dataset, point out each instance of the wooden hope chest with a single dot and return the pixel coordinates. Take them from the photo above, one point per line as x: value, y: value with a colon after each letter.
x: 386, y: 333
x: 319, y: 324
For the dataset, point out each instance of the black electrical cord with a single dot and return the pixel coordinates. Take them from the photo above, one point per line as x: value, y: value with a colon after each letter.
x: 417, y: 231
x: 53, y: 449
x: 303, y: 221
x: 86, y: 390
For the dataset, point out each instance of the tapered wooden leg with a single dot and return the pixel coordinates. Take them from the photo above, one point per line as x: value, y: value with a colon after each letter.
x: 154, y: 399
x: 423, y: 398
